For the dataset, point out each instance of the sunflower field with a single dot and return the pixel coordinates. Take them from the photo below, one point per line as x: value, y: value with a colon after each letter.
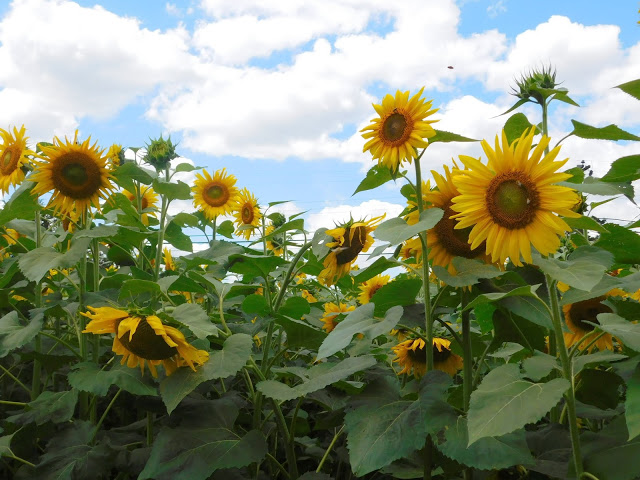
x: 492, y: 334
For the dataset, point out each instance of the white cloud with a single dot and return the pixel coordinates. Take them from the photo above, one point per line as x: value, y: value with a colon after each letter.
x: 329, y: 217
x: 497, y: 8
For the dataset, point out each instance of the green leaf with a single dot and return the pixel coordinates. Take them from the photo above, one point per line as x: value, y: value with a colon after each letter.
x: 320, y: 376
x: 585, y: 223
x: 529, y: 308
x: 301, y: 334
x: 255, y: 304
x: 627, y: 332
x: 528, y: 290
x: 254, y: 265
x: 445, y: 137
x: 609, y: 455
x: 22, y: 204
x: 539, y: 366
x: 398, y: 292
x: 487, y: 453
x: 176, y: 237
x: 519, y: 103
x: 14, y: 334
x: 632, y: 88
x: 235, y: 353
x: 132, y: 288
x: 295, y: 307
x: 484, y: 316
x: 515, y: 126
x: 505, y: 402
x: 172, y: 190
x: 128, y: 172
x: 89, y: 377
x: 376, y: 268
x: 376, y: 176
x: 593, y: 359
x: 101, y: 231
x: 196, y: 319
x: 625, y: 169
x: 5, y: 446
x: 610, y: 132
x: 632, y: 405
x: 468, y: 272
x: 297, y: 224
x: 396, y: 230
x: 595, y: 186
x: 56, y: 407
x: 37, y: 263
x: 582, y: 271
x: 195, y: 453
x: 185, y: 167
x: 578, y: 175
x: 185, y: 219
x: 226, y: 229
x: 622, y: 242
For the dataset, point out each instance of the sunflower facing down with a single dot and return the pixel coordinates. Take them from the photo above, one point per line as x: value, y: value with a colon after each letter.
x: 400, y: 129
x: 412, y: 355
x: 76, y: 172
x: 371, y: 286
x: 349, y: 240
x: 14, y: 155
x: 148, y: 200
x: 331, y: 311
x: 144, y: 340
x: 512, y: 202
x: 247, y: 214
x: 215, y: 195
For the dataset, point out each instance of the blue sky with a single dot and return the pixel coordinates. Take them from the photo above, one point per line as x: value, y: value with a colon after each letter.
x: 276, y: 91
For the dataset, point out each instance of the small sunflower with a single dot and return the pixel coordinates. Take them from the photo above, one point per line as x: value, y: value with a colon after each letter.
x: 215, y: 195
x: 149, y: 200
x: 371, y: 286
x: 144, y: 340
x: 576, y: 315
x: 412, y: 355
x: 349, y: 240
x: 308, y: 296
x: 247, y: 214
x: 276, y: 243
x: 400, y: 129
x: 10, y: 238
x: 167, y: 258
x: 14, y: 155
x: 512, y: 202
x: 331, y: 311
x: 76, y: 172
x: 115, y: 156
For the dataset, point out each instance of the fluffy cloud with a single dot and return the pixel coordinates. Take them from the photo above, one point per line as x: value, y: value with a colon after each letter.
x: 328, y: 217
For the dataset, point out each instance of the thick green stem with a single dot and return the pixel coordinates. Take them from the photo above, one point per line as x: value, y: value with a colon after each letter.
x: 37, y: 366
x: 161, y: 229
x: 215, y: 228
x: 15, y: 379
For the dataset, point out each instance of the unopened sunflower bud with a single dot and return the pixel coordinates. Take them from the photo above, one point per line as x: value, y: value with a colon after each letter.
x: 530, y: 86
x: 160, y: 152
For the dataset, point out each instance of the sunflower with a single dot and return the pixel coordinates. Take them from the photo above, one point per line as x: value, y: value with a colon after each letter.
x: 511, y: 202
x: 400, y: 129
x: 412, y: 204
x: 349, y: 240
x: 411, y: 354
x: 412, y: 248
x: 215, y: 195
x: 247, y: 214
x: 149, y: 200
x: 10, y: 238
x: 276, y: 243
x: 331, y: 311
x: 167, y: 258
x: 70, y: 220
x: 308, y: 296
x: 444, y: 240
x: 576, y: 315
x: 14, y: 155
x: 144, y: 339
x: 115, y: 156
x: 371, y: 286
x: 76, y: 172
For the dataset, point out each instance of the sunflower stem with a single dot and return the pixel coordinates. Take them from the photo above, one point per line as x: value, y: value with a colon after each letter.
x: 37, y: 366
x: 149, y: 429
x: 15, y: 379
x: 104, y: 415
x: 567, y: 373
x: 161, y: 228
x: 467, y: 378
x: 215, y: 228
x: 329, y: 448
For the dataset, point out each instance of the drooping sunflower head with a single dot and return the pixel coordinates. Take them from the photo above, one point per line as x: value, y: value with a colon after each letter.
x: 512, y: 203
x: 144, y: 340
x: 115, y: 156
x: 148, y: 202
x: 400, y: 129
x: 215, y: 195
x: 412, y: 355
x: 444, y: 359
x: 348, y: 241
x: 75, y: 172
x: 275, y: 243
x: 14, y: 158
x: 371, y: 286
x: 247, y: 214
x: 331, y: 312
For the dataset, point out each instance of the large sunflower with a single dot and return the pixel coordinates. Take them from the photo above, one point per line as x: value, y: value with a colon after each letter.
x: 144, y: 339
x: 512, y: 202
x: 331, y: 311
x: 149, y: 200
x: 247, y: 214
x: 76, y: 172
x: 371, y: 286
x: 215, y: 195
x: 412, y: 355
x: 349, y: 240
x: 400, y: 129
x: 14, y: 154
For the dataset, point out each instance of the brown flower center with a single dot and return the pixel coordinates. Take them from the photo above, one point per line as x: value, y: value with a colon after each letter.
x: 587, y: 311
x: 147, y: 344
x: 216, y: 195
x: 512, y: 200
x: 9, y: 160
x: 76, y: 175
x: 455, y: 242
x: 418, y: 356
x: 396, y: 128
x: 247, y: 214
x: 352, y: 245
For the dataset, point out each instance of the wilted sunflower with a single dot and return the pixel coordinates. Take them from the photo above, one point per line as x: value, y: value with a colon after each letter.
x: 411, y: 354
x: 331, y: 311
x: 215, y: 195
x: 144, y: 339
x: 247, y: 214
x: 371, y: 286
x: 400, y: 129
x: 576, y: 315
x: 149, y: 200
x: 14, y: 154
x: 76, y: 172
x: 444, y: 240
x: 511, y: 202
x: 349, y: 240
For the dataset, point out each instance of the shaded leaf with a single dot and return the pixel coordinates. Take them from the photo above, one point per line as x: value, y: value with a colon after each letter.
x: 14, y: 334
x: 196, y: 319
x: 89, y: 377
x: 627, y: 332
x: 622, y: 242
x: 468, y: 272
x: 301, y: 334
x: 172, y: 190
x: 398, y: 292
x: 56, y: 407
x: 632, y: 404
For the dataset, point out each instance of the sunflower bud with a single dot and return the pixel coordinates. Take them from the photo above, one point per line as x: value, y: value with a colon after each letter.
x: 277, y: 219
x: 531, y: 87
x: 160, y: 152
